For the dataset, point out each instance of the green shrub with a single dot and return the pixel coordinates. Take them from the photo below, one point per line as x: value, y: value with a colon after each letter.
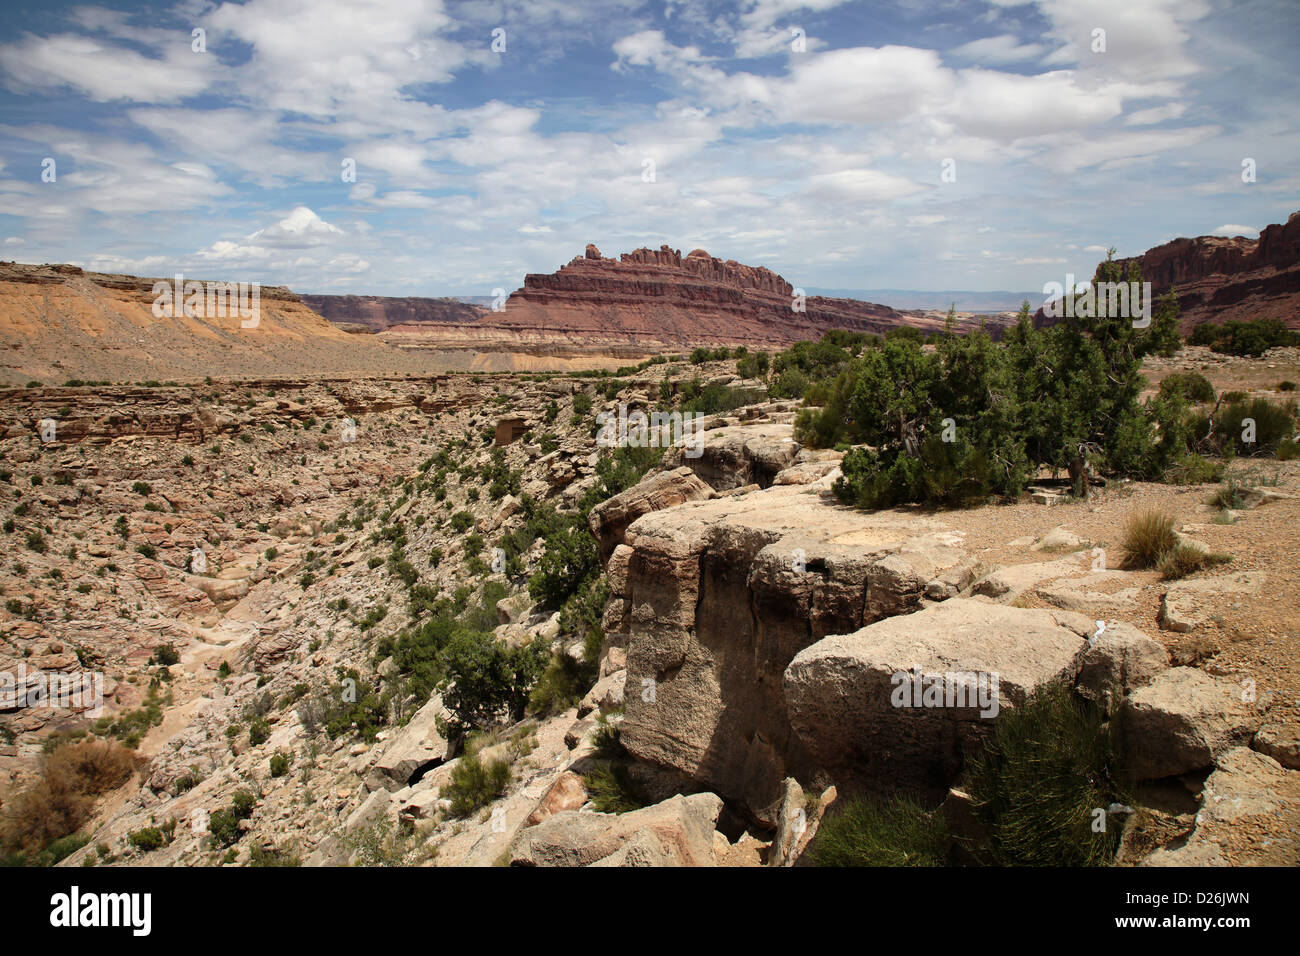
x: 611, y: 790
x: 864, y: 832
x: 1225, y: 432
x: 561, y: 686
x: 1190, y: 386
x: 487, y: 680
x: 258, y: 731
x: 1252, y: 338
x: 147, y: 838
x: 1193, y: 469
x: 242, y: 803
x: 474, y: 784
x: 260, y: 856
x: 279, y: 765
x: 166, y: 655
x: 1039, y: 782
x: 224, y: 827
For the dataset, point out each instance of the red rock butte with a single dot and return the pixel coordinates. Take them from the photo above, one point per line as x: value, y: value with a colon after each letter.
x: 1219, y: 279
x: 652, y: 300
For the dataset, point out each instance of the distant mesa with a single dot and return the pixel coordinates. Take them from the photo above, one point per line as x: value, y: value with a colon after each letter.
x: 1220, y: 279
x: 644, y: 302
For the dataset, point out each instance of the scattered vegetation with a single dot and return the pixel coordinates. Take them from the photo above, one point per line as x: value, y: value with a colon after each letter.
x: 866, y: 832
x: 1039, y: 782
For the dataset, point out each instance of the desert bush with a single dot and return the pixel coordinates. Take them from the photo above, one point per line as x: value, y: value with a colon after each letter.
x: 1252, y: 338
x: 865, y: 832
x: 754, y: 365
x: 258, y: 731
x: 1223, y: 430
x: 1184, y: 559
x: 562, y: 684
x: 1193, y: 469
x: 242, y: 803
x: 611, y: 790
x: 60, y: 800
x: 1147, y: 537
x: 1190, y: 386
x: 166, y: 655
x: 224, y: 827
x: 1037, y: 784
x: 486, y: 680
x: 147, y: 838
x: 475, y: 784
x: 279, y: 765
x: 260, y: 856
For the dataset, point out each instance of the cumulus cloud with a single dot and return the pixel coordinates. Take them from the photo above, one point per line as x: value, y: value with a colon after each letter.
x: 1230, y: 230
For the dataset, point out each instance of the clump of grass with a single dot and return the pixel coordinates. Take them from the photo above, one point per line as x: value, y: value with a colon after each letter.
x: 1184, y: 559
x: 1147, y: 537
x: 611, y: 789
x: 607, y: 740
x: 1039, y: 782
x: 864, y: 832
x: 475, y: 784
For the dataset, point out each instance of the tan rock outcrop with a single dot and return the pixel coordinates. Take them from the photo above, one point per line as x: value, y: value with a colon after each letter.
x: 677, y: 832
x: 718, y: 596
x: 1183, y: 720
x: 851, y: 700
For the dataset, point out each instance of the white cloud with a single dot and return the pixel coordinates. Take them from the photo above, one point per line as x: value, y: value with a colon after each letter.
x: 1157, y: 114
x: 301, y: 227
x: 1004, y: 48
x: 104, y: 72
x: 1231, y: 230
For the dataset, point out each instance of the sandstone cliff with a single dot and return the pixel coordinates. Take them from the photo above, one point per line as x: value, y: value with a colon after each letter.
x: 1220, y: 279
x: 650, y: 301
x: 59, y: 322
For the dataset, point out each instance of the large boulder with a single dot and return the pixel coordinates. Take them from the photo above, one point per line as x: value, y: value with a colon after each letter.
x: 677, y: 832
x: 1118, y: 660
x: 609, y: 519
x: 414, y: 747
x: 1183, y: 720
x: 900, y: 702
x: 719, y: 596
x: 1249, y: 795
x: 737, y: 455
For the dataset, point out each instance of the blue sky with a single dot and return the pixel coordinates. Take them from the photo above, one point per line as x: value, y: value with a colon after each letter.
x: 475, y: 166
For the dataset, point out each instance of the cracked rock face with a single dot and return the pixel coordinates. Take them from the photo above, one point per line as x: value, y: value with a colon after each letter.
x: 716, y: 597
x: 1183, y: 720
